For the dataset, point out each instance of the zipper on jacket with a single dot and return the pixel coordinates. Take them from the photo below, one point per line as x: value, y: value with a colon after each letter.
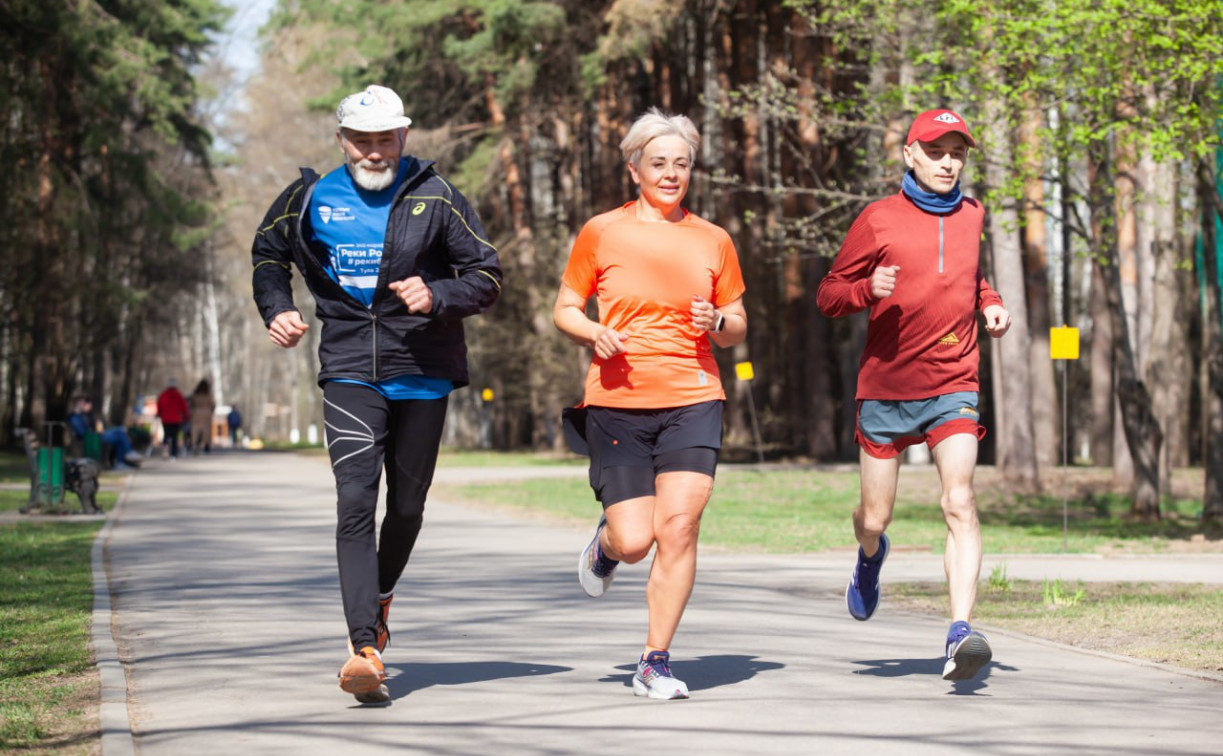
x: 374, y: 343
x: 940, y: 244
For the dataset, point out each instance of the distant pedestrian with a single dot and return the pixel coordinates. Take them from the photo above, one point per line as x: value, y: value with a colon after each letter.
x: 234, y: 422
x: 912, y: 259
x: 173, y: 411
x: 203, y: 407
x: 669, y: 289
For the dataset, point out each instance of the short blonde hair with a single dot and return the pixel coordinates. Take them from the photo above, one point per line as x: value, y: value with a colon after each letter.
x: 653, y: 124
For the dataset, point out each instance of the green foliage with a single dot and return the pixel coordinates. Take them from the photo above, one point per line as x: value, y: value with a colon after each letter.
x: 102, y: 148
x: 474, y: 173
x: 1056, y: 595
x: 441, y: 57
x: 630, y: 30
x: 998, y: 581
x: 507, y: 37
x: 1139, y: 72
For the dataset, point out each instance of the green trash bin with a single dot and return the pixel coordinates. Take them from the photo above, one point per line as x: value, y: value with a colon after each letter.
x: 50, y: 476
x: 92, y: 446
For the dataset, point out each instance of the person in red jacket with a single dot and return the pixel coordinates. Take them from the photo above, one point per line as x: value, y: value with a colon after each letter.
x: 912, y: 259
x: 173, y: 410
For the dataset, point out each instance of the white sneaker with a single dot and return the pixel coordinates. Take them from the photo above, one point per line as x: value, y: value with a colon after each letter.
x: 654, y: 678
x: 593, y: 582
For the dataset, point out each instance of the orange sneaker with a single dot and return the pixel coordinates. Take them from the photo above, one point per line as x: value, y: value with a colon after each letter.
x: 363, y: 672
x: 382, y: 631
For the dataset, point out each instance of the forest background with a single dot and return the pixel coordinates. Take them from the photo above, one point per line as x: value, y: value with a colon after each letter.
x: 136, y: 168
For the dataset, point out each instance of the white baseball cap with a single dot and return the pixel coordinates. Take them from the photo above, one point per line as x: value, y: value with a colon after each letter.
x: 375, y: 108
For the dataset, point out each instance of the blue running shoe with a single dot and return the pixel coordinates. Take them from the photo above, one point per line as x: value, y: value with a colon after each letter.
x: 654, y: 678
x: 595, y: 571
x: 968, y: 652
x: 862, y: 593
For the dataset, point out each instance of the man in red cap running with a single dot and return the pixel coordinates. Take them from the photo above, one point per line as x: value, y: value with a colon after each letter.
x: 912, y: 259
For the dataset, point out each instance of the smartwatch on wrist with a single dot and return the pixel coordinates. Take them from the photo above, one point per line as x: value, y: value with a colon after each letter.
x: 719, y: 325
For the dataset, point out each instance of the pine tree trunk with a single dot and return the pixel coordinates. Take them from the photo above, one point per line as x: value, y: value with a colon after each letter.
x: 1141, y: 429
x: 1046, y: 419
x: 1168, y: 369
x: 1103, y: 397
x: 1017, y: 452
x: 742, y: 63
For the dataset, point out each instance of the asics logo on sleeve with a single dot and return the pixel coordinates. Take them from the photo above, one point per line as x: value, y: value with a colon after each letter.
x: 418, y: 208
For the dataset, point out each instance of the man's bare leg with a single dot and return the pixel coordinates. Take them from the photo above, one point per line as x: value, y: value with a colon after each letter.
x: 956, y: 459
x: 871, y: 518
x: 878, y: 481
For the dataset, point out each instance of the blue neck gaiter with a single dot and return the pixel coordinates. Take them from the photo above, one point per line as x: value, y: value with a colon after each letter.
x: 939, y: 204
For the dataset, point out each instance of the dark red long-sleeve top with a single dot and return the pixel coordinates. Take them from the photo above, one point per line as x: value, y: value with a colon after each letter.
x: 922, y: 340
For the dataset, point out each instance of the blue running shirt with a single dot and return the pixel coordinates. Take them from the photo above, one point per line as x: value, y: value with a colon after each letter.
x: 351, y: 222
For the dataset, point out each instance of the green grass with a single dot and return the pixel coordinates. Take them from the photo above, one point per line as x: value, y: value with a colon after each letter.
x: 1174, y: 624
x: 795, y: 510
x: 47, y: 683
x: 449, y: 457
x: 300, y: 446
x: 11, y: 501
x: 14, y: 468
x: 456, y: 458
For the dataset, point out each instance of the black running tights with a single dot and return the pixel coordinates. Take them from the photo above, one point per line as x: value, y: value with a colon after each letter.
x: 364, y: 431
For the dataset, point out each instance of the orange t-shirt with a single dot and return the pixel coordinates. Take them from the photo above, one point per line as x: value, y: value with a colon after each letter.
x: 644, y: 275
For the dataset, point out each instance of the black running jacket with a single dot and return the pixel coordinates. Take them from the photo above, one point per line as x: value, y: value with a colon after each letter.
x: 433, y: 233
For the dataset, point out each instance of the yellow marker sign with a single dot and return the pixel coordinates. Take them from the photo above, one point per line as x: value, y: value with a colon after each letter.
x: 1064, y: 343
x: 487, y: 395
x: 743, y: 371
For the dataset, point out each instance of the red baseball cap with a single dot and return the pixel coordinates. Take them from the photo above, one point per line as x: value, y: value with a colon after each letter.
x: 934, y: 123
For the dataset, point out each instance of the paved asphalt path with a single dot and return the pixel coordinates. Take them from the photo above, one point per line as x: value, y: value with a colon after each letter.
x: 226, y: 613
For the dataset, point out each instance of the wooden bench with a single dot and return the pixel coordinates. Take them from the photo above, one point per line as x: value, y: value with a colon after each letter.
x: 51, y: 475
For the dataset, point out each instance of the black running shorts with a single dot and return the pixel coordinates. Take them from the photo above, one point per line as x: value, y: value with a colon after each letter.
x: 630, y: 447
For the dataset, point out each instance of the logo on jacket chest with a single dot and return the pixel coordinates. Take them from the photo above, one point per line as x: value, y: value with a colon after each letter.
x: 327, y: 214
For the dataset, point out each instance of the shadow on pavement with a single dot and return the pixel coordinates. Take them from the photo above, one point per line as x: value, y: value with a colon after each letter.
x: 932, y: 667
x: 900, y: 667
x: 409, y: 678
x: 706, y: 672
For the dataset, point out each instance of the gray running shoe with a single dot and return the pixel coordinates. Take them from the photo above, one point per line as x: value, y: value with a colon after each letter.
x: 593, y: 578
x: 654, y: 678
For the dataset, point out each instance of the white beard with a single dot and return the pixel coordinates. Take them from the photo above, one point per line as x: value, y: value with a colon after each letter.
x: 371, y: 180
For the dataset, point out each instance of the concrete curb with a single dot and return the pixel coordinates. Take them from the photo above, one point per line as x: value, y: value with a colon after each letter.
x: 113, y: 718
